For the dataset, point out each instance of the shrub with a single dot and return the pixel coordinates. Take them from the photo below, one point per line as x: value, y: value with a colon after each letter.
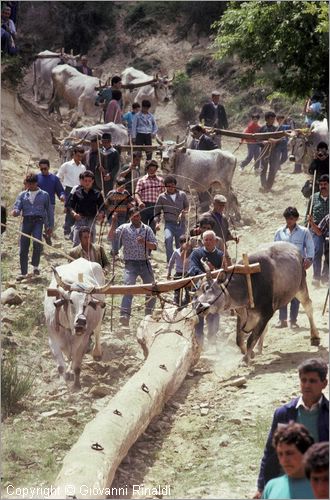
x: 184, y: 96
x: 198, y: 64
x: 15, y: 384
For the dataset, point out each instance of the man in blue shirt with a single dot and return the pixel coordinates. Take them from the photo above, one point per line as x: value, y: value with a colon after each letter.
x: 144, y: 127
x: 52, y: 185
x: 128, y: 117
x: 210, y: 254
x: 34, y: 204
x: 310, y: 409
x: 302, y: 239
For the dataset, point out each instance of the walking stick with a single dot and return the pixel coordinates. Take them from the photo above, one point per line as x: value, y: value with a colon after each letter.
x: 132, y: 180
x: 313, y: 190
x: 325, y: 303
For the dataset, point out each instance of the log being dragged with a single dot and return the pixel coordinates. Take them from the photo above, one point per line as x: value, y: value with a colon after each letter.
x: 90, y: 465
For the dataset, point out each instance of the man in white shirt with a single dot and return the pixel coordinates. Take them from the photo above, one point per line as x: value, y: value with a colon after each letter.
x: 69, y: 175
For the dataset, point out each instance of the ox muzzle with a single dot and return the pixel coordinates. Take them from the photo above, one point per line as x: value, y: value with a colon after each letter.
x: 201, y: 308
x: 292, y: 158
x: 80, y: 324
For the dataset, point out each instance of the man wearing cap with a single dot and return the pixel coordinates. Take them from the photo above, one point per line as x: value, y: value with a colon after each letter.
x: 213, y: 114
x: 109, y: 163
x: 148, y: 189
x: 221, y: 228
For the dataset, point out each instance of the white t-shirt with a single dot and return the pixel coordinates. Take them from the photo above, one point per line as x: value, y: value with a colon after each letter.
x: 69, y: 173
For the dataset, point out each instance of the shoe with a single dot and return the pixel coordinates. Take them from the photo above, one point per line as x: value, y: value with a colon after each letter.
x: 282, y: 324
x: 21, y: 277
x: 36, y: 271
x: 48, y: 239
x: 294, y: 324
x: 124, y: 321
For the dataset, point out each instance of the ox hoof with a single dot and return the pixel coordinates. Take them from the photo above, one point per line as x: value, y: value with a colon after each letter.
x: 68, y: 376
x: 97, y: 356
x: 252, y: 354
x: 315, y: 341
x: 244, y: 361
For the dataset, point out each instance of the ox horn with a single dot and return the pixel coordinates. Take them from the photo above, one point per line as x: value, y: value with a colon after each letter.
x: 180, y: 145
x: 104, y: 288
x: 207, y: 269
x: 160, y: 142
x: 60, y: 282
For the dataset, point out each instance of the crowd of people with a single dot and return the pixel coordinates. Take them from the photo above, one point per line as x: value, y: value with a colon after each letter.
x: 96, y: 186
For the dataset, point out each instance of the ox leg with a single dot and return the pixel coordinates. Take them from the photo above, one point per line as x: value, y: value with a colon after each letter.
x: 256, y: 334
x: 240, y: 335
x: 260, y: 344
x: 303, y: 297
x: 97, y: 351
x: 79, y: 346
x: 57, y: 355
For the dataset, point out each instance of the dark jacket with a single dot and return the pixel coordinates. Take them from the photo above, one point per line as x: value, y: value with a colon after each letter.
x: 214, y: 117
x: 206, y: 143
x: 89, y: 70
x: 221, y: 227
x: 270, y: 467
x: 321, y: 167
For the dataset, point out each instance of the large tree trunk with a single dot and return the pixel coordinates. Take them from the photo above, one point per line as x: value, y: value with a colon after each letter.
x: 171, y: 349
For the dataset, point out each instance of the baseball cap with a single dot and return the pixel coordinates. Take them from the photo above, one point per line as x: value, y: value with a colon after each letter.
x: 220, y: 198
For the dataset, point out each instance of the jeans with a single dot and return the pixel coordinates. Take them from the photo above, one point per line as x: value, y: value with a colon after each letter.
x: 172, y: 231
x: 294, y: 308
x: 148, y: 217
x: 270, y: 166
x: 133, y: 269
x: 84, y: 221
x: 32, y: 226
x: 212, y: 321
x: 283, y: 152
x: 144, y: 140
x: 69, y: 220
x: 253, y: 154
x: 319, y: 244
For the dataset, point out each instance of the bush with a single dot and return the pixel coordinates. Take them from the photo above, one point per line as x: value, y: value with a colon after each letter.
x: 198, y: 64
x: 184, y: 96
x: 15, y: 384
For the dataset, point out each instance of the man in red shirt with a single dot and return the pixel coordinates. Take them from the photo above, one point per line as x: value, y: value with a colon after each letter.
x: 148, y: 189
x: 252, y: 145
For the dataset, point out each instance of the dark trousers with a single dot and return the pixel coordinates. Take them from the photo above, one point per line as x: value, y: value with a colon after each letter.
x: 270, y: 166
x: 32, y: 226
x: 147, y: 215
x: 144, y: 140
x: 69, y: 220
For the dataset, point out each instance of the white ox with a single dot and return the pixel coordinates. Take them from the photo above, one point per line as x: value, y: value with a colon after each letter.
x: 201, y: 170
x: 76, y: 89
x: 42, y: 71
x: 75, y: 314
x: 82, y: 135
x: 303, y: 145
x: 156, y: 92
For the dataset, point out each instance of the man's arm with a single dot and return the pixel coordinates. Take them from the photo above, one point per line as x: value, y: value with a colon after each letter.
x: 195, y: 263
x: 134, y: 125
x: 139, y: 189
x: 59, y: 190
x: 18, y: 205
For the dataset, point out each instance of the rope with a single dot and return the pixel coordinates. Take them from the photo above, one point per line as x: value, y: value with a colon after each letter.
x: 39, y: 241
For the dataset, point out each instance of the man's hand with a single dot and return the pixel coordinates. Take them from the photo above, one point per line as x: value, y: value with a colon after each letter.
x: 168, y: 277
x: 157, y: 228
x: 76, y: 216
x: 49, y: 231
x: 257, y: 494
x: 307, y: 263
x: 141, y: 205
x: 15, y: 213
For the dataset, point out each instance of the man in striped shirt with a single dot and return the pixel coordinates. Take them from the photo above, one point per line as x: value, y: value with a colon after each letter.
x: 148, y: 189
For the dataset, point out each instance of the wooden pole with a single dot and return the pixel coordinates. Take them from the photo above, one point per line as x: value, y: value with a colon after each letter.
x: 325, y: 303
x: 171, y: 350
x: 245, y: 259
x: 313, y: 191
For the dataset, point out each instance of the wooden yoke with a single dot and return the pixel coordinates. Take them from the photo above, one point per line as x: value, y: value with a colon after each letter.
x: 169, y: 286
x: 245, y: 259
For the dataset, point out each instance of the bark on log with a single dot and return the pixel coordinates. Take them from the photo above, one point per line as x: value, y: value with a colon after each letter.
x: 172, y: 349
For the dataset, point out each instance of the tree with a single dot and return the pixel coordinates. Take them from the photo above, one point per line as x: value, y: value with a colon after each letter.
x: 291, y: 36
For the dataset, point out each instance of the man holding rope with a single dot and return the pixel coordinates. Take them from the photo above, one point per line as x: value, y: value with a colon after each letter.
x: 34, y: 204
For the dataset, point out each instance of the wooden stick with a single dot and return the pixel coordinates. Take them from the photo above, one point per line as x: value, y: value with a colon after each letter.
x: 325, y: 303
x: 261, y: 136
x: 41, y: 242
x: 100, y: 165
x: 248, y: 280
x: 313, y: 190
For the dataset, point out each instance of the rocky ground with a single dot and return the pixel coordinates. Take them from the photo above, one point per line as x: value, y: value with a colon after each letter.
x: 208, y: 441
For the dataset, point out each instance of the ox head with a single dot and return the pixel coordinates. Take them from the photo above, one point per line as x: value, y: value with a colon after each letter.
x: 163, y: 88
x: 65, y: 146
x: 104, y: 93
x: 79, y: 305
x: 169, y: 149
x: 299, y: 144
x: 212, y: 295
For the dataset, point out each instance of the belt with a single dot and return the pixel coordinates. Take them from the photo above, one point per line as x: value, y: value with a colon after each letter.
x: 33, y: 217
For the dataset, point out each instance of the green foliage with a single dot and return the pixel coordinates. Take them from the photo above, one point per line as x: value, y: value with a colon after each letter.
x: 291, y: 36
x: 184, y: 97
x: 146, y: 65
x: 15, y: 384
x: 12, y: 70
